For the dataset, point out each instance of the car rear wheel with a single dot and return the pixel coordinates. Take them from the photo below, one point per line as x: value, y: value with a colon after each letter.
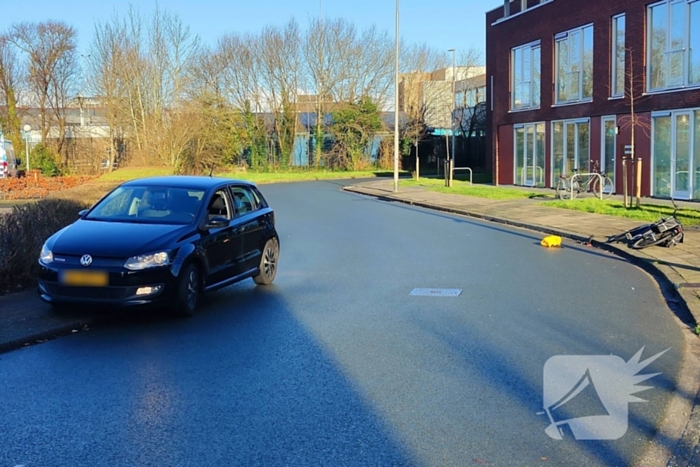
x: 268, y: 263
x: 189, y: 290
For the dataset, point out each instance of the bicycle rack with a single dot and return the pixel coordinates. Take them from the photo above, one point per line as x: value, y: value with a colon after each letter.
x: 471, y: 174
x: 539, y: 175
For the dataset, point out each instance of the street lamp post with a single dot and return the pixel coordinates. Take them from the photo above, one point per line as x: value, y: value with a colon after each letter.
x: 27, y: 129
x: 396, y: 105
x: 452, y: 125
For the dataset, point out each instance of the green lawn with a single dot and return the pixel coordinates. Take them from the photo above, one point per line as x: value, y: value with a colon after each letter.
x: 301, y: 175
x: 292, y: 175
x: 479, y: 191
x: 130, y: 173
x: 645, y: 213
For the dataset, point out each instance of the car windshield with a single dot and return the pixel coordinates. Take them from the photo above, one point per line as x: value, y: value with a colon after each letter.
x: 149, y: 205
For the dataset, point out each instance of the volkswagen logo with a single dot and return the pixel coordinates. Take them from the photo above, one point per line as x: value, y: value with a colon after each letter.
x: 86, y: 260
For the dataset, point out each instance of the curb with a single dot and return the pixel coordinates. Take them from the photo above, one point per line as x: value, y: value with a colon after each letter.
x: 48, y: 334
x: 661, y: 451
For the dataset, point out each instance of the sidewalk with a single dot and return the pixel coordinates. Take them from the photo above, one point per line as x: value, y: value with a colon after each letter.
x: 676, y: 269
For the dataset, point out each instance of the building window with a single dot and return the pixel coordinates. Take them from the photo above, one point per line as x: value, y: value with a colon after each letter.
x: 570, y: 148
x: 475, y: 96
x: 674, y: 45
x: 525, y: 77
x: 618, y: 57
x: 574, y: 65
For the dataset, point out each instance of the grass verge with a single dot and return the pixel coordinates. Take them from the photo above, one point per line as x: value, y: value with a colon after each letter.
x: 479, y: 191
x: 130, y: 173
x: 644, y: 213
x: 92, y: 192
x: 302, y: 175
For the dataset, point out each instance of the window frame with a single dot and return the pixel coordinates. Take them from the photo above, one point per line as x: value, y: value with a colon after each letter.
x: 668, y: 47
x: 533, y: 84
x: 566, y: 36
x: 614, y: 28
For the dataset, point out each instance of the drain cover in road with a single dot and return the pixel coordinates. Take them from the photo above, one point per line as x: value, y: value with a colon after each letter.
x: 436, y: 292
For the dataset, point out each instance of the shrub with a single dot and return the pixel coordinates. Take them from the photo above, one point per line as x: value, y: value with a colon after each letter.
x: 23, y: 232
x: 43, y: 159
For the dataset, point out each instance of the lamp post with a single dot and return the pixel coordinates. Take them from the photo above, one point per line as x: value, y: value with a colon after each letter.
x: 452, y: 125
x: 27, y: 129
x: 396, y: 105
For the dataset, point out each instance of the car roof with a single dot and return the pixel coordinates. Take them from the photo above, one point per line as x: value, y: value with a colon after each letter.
x: 186, y: 181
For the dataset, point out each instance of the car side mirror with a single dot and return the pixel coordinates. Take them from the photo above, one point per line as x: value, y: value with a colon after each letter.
x: 82, y: 213
x: 217, y: 222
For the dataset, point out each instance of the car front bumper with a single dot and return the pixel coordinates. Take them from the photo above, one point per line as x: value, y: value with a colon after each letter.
x: 123, y: 287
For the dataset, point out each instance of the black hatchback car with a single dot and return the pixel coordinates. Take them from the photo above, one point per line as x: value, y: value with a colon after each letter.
x: 162, y: 240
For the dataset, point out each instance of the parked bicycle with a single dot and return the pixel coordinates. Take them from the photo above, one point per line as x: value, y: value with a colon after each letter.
x: 667, y: 231
x: 596, y: 182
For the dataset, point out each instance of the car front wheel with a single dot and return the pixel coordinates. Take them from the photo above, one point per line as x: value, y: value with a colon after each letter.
x: 189, y: 290
x: 268, y: 263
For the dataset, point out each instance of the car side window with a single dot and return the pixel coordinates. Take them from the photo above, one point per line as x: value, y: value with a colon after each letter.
x: 219, y: 205
x: 244, y: 200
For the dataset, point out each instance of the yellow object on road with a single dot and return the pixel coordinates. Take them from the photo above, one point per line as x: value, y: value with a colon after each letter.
x: 550, y: 241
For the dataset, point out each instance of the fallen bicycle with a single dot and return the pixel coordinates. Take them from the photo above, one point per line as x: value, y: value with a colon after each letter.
x: 666, y: 232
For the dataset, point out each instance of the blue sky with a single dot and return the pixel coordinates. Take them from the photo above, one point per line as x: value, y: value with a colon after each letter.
x: 443, y: 24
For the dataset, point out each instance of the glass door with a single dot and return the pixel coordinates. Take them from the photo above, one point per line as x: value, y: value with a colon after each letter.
x: 681, y: 158
x: 607, y: 153
x: 674, y: 163
x: 529, y: 155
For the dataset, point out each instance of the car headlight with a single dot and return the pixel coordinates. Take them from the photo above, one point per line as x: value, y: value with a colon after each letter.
x: 46, y: 255
x: 154, y: 260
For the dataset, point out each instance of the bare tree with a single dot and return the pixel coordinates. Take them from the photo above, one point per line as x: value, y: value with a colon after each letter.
x: 280, y: 61
x: 417, y: 98
x: 50, y: 49
x: 9, y: 91
x: 142, y: 69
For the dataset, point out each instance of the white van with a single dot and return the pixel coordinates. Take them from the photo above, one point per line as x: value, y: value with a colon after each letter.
x: 8, y: 161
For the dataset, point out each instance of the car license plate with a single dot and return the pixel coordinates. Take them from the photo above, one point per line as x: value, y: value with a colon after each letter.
x: 85, y: 278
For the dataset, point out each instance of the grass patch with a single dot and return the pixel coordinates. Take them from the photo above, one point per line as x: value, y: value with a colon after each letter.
x: 93, y: 191
x: 292, y: 175
x: 130, y: 173
x: 479, y: 191
x: 8, y: 203
x: 645, y: 213
x: 90, y: 192
x: 302, y: 175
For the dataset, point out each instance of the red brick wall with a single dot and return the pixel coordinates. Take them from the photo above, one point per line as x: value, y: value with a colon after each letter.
x: 542, y: 23
x: 506, y: 167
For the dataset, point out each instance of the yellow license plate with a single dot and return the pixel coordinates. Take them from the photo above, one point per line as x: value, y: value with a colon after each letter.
x: 85, y: 278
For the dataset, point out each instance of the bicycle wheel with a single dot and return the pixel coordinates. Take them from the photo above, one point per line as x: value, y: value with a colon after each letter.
x: 607, y: 187
x: 675, y: 240
x: 648, y: 240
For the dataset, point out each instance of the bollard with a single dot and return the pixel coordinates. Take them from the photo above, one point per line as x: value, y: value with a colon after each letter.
x: 624, y: 182
x: 638, y: 188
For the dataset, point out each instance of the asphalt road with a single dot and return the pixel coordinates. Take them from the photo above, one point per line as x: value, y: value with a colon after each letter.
x: 337, y: 365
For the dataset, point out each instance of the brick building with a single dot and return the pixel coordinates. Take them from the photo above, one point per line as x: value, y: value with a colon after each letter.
x: 562, y: 78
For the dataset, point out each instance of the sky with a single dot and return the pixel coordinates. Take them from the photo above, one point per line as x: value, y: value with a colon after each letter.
x: 443, y: 24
